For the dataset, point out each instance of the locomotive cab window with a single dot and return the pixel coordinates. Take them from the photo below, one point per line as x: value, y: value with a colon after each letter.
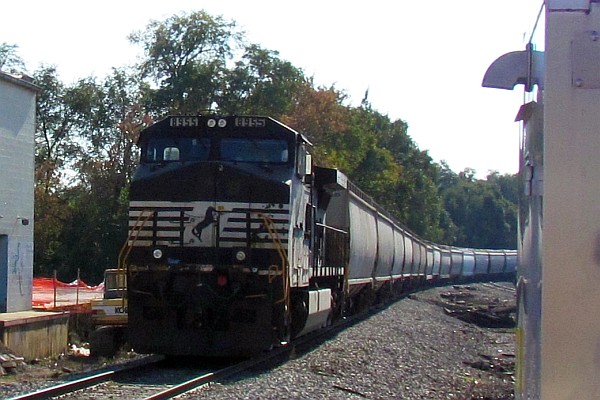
x: 171, y: 154
x: 180, y: 149
x: 272, y: 151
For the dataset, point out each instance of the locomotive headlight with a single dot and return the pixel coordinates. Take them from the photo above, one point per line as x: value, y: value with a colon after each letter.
x: 240, y: 256
x: 157, y: 253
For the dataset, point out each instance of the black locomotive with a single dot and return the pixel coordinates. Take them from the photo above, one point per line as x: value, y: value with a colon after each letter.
x: 238, y: 243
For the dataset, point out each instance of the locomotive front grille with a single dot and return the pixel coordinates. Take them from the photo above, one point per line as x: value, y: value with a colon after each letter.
x: 202, y: 225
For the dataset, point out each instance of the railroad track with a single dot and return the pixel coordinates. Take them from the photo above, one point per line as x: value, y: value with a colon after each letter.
x: 154, y: 377
x: 505, y: 286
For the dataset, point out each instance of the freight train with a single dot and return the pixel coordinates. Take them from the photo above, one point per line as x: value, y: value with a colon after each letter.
x: 238, y: 243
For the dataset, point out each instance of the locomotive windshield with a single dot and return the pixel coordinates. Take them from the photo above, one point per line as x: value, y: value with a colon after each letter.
x: 178, y: 149
x: 237, y: 149
x: 254, y: 150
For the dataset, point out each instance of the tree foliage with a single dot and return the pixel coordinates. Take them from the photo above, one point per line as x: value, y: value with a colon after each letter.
x: 186, y: 56
x: 484, y: 211
x: 10, y: 61
x: 85, y: 158
x: 260, y: 83
x: 86, y: 131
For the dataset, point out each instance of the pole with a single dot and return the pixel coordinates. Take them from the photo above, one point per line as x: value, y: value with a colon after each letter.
x: 77, y: 296
x: 54, y: 286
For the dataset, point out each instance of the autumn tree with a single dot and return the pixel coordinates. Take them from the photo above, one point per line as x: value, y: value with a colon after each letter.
x: 320, y: 114
x: 86, y: 134
x: 375, y: 152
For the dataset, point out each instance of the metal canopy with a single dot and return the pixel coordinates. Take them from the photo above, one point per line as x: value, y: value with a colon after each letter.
x: 518, y: 67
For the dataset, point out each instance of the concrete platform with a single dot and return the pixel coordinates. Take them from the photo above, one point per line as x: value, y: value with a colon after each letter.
x: 35, y: 334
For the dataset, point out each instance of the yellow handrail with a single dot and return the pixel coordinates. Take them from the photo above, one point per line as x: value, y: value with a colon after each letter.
x: 136, y: 229
x: 126, y: 249
x: 268, y: 222
x: 132, y: 236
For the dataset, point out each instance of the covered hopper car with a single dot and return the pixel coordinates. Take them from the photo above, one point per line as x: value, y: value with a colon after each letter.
x: 238, y: 243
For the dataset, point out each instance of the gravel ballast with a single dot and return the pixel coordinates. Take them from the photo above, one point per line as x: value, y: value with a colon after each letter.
x: 409, y: 350
x: 415, y: 348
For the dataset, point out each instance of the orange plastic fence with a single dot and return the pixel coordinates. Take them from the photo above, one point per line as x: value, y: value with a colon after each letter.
x: 52, y: 294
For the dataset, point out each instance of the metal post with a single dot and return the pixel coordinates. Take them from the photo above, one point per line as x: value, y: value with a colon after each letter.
x: 54, y: 287
x: 77, y: 295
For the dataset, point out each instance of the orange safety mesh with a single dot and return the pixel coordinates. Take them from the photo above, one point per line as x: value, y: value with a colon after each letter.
x: 52, y: 294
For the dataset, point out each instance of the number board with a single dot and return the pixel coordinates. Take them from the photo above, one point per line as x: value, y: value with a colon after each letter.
x: 180, y: 122
x: 250, y: 122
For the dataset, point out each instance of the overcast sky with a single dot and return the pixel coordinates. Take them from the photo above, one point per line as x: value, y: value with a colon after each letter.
x: 421, y: 61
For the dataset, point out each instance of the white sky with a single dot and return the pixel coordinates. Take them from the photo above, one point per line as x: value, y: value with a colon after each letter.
x: 422, y: 61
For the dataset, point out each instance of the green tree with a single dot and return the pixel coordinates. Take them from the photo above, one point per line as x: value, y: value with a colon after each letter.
x: 376, y: 153
x: 86, y: 131
x: 110, y: 117
x: 483, y: 211
x: 55, y: 144
x: 319, y: 113
x: 85, y: 137
x: 186, y: 56
x: 260, y: 83
x: 407, y: 185
x: 55, y: 151
x: 10, y: 61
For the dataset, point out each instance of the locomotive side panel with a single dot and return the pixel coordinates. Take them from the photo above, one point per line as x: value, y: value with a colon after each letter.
x: 299, y: 245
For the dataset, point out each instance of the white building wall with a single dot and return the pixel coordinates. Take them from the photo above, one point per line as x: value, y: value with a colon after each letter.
x: 570, y: 339
x: 17, y: 127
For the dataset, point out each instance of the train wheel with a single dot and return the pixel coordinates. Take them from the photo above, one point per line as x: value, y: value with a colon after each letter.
x: 299, y: 314
x: 107, y: 340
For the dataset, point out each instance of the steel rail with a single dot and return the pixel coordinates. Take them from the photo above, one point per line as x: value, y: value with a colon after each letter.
x: 283, y: 352
x: 500, y: 286
x: 88, y: 381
